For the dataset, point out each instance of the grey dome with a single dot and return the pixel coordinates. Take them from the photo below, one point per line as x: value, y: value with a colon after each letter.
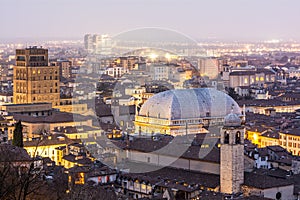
x: 232, y: 120
x: 189, y: 103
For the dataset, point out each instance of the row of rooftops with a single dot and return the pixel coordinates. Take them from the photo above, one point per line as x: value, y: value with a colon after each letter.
x: 273, y: 126
x: 266, y: 102
x: 190, y: 181
x: 56, y: 117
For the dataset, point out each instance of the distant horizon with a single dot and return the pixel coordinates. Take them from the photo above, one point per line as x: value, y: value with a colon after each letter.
x: 230, y: 20
x: 10, y: 40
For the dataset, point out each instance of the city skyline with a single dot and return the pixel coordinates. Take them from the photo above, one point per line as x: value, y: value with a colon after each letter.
x: 149, y: 99
x: 230, y: 20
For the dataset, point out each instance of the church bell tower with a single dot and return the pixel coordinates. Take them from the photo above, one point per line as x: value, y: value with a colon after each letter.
x: 232, y: 155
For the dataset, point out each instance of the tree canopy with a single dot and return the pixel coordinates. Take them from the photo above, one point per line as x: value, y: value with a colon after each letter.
x: 18, y: 135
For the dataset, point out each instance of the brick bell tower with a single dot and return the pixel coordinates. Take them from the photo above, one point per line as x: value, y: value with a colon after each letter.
x: 232, y: 155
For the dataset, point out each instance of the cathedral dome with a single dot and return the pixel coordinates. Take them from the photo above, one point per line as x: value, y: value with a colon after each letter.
x: 189, y: 104
x: 232, y: 120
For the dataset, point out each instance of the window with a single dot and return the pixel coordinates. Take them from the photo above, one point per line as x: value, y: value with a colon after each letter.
x: 238, y: 137
x: 278, y: 195
x: 226, y: 139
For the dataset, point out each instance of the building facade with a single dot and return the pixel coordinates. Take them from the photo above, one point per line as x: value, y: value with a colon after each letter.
x: 34, y: 80
x: 250, y: 76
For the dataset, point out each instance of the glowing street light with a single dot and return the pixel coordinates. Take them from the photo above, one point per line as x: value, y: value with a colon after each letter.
x: 153, y: 56
x: 168, y: 57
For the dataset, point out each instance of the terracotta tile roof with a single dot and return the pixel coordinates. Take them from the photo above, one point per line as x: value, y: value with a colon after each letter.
x: 78, y: 160
x: 260, y: 181
x: 292, y: 131
x: 54, y: 139
x: 56, y: 117
x: 176, y: 178
x: 168, y: 146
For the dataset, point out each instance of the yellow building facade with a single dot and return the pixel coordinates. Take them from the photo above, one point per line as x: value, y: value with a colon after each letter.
x: 34, y: 80
x: 48, y: 147
x: 290, y: 140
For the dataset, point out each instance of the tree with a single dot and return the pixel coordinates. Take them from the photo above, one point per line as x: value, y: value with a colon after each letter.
x: 18, y: 135
x: 21, y: 177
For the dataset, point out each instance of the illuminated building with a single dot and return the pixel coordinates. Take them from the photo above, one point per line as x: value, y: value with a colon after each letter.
x: 80, y: 132
x: 37, y: 125
x: 46, y: 147
x: 290, y: 140
x: 178, y: 112
x: 249, y: 76
x: 34, y: 80
x: 209, y: 67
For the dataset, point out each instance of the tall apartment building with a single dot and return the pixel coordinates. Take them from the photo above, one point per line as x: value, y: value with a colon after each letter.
x: 98, y: 44
x: 34, y: 80
x: 64, y: 68
x: 89, y: 43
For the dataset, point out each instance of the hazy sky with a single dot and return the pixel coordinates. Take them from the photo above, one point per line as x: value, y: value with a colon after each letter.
x: 222, y: 19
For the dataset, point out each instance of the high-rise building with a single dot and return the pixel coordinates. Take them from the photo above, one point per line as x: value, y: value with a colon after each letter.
x: 89, y: 43
x: 103, y: 44
x: 34, y: 80
x: 98, y: 44
x: 64, y: 68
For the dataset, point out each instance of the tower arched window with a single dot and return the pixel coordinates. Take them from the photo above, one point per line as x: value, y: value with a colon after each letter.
x: 238, y: 137
x: 226, y: 137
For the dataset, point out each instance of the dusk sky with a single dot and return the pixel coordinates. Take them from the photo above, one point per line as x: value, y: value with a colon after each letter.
x: 200, y: 19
